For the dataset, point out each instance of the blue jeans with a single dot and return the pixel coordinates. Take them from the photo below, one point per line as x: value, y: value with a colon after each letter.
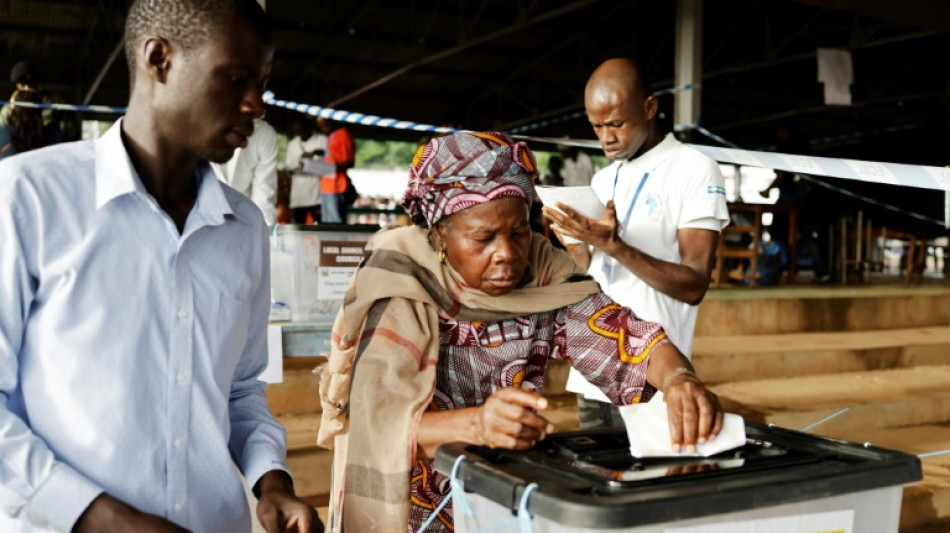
x: 333, y: 210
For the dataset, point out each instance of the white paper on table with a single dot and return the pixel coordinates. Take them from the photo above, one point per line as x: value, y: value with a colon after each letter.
x: 649, y: 431
x: 317, y: 166
x: 581, y: 199
x: 274, y: 372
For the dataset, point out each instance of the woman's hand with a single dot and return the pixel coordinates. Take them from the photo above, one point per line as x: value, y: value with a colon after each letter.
x: 695, y: 415
x: 508, y: 420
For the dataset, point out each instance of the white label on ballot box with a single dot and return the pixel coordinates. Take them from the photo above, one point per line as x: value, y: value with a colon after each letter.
x: 831, y: 522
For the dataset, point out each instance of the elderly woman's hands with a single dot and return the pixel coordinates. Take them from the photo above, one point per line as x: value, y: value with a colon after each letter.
x: 508, y: 419
x: 695, y: 415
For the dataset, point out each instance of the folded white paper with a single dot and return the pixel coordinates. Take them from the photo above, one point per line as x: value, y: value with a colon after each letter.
x: 649, y: 431
x: 581, y: 199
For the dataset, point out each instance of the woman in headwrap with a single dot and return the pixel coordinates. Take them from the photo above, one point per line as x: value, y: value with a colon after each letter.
x: 24, y: 130
x: 446, y: 329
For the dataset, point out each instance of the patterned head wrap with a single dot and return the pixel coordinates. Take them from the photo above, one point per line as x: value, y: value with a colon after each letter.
x: 461, y: 170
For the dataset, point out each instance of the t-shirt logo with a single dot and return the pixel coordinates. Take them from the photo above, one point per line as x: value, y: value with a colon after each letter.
x: 653, y: 207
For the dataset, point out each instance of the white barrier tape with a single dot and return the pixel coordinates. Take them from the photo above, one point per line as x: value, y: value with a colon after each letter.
x: 69, y: 107
x: 933, y: 170
x: 353, y: 118
x: 923, y: 177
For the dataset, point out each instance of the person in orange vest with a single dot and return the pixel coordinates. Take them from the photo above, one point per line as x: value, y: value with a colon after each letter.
x: 341, y: 151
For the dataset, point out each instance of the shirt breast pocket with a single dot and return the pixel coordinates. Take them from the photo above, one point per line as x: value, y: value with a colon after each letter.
x: 228, y: 337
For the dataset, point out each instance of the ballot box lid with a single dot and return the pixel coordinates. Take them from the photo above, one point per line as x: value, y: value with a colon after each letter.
x: 589, y: 478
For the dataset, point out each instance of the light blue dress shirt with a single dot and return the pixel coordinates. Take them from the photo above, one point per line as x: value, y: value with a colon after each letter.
x: 129, y: 353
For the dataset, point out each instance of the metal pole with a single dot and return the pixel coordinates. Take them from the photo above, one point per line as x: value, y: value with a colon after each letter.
x: 102, y: 72
x: 689, y: 63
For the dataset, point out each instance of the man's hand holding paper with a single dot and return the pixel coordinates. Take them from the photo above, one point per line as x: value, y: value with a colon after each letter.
x: 576, y: 213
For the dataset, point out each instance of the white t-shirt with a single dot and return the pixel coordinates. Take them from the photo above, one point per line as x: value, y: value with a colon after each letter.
x: 252, y: 170
x: 683, y: 189
x: 578, y: 172
x: 304, y: 188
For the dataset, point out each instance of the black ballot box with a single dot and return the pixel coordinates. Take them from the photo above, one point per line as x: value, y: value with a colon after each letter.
x: 780, y: 481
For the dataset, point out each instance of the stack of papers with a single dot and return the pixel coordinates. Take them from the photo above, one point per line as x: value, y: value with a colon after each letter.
x: 649, y: 431
x: 317, y: 166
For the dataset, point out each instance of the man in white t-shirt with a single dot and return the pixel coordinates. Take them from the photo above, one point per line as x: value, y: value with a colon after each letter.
x: 655, y: 247
x: 304, y: 188
x: 252, y: 170
x: 578, y: 167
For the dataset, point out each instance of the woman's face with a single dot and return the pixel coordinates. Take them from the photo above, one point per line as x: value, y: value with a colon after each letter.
x: 488, y: 244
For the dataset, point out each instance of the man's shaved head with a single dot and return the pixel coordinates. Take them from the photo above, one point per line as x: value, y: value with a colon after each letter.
x: 622, y: 76
x: 621, y: 108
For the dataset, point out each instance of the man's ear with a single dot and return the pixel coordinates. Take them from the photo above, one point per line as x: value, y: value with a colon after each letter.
x: 157, y: 53
x: 650, y: 106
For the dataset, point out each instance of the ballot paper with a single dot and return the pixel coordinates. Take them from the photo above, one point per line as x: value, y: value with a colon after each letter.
x: 581, y: 199
x: 649, y: 431
x: 317, y: 166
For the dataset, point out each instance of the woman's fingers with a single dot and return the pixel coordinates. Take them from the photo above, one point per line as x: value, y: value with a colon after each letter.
x: 718, y: 416
x: 694, y: 413
x: 510, y: 420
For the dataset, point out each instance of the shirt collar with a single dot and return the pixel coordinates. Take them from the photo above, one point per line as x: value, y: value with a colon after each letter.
x: 115, y: 177
x: 653, y: 157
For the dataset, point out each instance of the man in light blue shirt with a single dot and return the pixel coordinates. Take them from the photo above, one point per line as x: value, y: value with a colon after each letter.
x: 135, y: 293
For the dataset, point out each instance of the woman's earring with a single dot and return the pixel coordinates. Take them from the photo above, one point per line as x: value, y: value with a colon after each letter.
x: 442, y: 255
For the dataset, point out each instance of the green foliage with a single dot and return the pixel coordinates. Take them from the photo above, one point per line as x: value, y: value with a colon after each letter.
x: 371, y: 153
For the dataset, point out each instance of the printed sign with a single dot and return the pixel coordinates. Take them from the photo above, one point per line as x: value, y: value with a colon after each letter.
x: 338, y: 262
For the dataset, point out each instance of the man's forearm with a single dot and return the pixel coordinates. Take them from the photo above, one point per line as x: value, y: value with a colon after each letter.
x: 675, y: 280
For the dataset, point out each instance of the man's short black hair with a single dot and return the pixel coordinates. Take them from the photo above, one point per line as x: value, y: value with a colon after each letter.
x: 186, y: 23
x: 22, y: 72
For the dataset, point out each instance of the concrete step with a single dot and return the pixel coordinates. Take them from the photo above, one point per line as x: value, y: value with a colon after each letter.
x: 796, y: 309
x: 878, y: 399
x: 746, y: 357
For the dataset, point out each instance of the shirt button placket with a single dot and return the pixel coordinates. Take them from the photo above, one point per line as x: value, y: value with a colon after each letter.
x: 181, y: 376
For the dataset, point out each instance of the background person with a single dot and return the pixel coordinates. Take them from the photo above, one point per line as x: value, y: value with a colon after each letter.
x: 654, y: 250
x: 578, y: 166
x: 341, y: 151
x: 252, y: 170
x: 136, y: 291
x: 554, y: 177
x: 446, y: 331
x: 304, y: 188
x: 23, y: 130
